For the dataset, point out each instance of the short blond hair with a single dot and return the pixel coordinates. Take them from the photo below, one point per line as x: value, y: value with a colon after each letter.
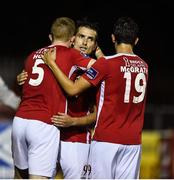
x: 63, y: 29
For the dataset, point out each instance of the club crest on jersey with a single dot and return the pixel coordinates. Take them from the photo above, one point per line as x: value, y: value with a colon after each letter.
x: 84, y: 55
x: 91, y: 73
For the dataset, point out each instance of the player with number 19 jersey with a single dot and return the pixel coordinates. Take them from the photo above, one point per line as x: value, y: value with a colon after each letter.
x: 42, y: 95
x: 121, y: 105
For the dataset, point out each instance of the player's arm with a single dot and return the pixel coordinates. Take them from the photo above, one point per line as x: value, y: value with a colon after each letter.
x: 22, y: 77
x: 64, y: 120
x: 71, y: 88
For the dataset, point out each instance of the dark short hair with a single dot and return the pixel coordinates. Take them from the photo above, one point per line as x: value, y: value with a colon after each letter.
x: 125, y: 30
x: 85, y: 22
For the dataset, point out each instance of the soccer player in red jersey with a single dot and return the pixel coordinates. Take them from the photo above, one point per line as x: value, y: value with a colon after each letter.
x: 81, y: 112
x: 35, y: 144
x: 115, y: 151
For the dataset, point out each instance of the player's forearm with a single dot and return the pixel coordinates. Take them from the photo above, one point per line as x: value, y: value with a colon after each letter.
x: 64, y: 81
x: 84, y: 120
x: 71, y: 88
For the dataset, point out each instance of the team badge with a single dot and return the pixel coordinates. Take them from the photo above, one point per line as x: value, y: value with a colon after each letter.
x: 91, y: 73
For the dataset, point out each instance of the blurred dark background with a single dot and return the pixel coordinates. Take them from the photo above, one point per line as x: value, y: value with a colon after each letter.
x: 25, y: 25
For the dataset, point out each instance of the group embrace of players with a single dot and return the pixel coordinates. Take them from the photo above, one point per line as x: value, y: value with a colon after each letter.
x: 79, y: 109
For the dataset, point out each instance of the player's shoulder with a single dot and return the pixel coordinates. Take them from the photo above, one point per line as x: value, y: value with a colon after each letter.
x: 37, y: 53
x: 143, y: 61
x: 67, y: 49
x: 73, y: 50
x: 79, y: 53
x: 31, y: 55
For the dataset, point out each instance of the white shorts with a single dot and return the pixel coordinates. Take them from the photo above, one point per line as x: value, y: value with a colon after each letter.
x: 35, y: 146
x: 114, y: 161
x: 73, y: 158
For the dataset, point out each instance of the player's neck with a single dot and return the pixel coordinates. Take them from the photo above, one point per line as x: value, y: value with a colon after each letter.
x: 124, y: 48
x: 61, y: 43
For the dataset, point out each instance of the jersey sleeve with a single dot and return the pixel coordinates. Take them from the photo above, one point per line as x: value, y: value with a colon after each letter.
x: 80, y: 59
x: 96, y: 73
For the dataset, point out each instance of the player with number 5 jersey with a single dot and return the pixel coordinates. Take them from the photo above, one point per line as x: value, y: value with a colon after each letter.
x: 35, y: 140
x: 42, y: 96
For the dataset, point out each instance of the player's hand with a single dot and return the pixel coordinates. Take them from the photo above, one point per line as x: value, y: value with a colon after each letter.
x: 49, y: 56
x: 98, y: 52
x: 22, y: 77
x: 62, y: 120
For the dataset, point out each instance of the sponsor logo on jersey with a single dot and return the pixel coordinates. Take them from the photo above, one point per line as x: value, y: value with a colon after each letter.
x: 91, y: 73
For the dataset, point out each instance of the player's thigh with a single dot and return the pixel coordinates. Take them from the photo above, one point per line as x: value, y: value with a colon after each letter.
x: 19, y: 143
x: 43, y: 141
x: 114, y: 161
x: 128, y: 162
x: 73, y: 158
x: 101, y: 160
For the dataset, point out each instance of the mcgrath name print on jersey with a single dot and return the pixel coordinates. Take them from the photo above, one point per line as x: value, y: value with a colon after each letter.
x: 138, y: 67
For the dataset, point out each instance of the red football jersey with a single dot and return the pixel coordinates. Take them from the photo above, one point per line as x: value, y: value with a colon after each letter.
x: 79, y: 106
x: 42, y: 96
x: 121, y: 97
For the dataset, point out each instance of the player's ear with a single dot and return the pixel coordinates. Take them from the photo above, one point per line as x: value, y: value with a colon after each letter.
x: 113, y: 38
x: 72, y: 39
x: 136, y: 40
x: 50, y: 37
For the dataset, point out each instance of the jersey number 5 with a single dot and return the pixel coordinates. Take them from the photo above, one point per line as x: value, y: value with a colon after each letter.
x: 139, y: 88
x: 39, y: 71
